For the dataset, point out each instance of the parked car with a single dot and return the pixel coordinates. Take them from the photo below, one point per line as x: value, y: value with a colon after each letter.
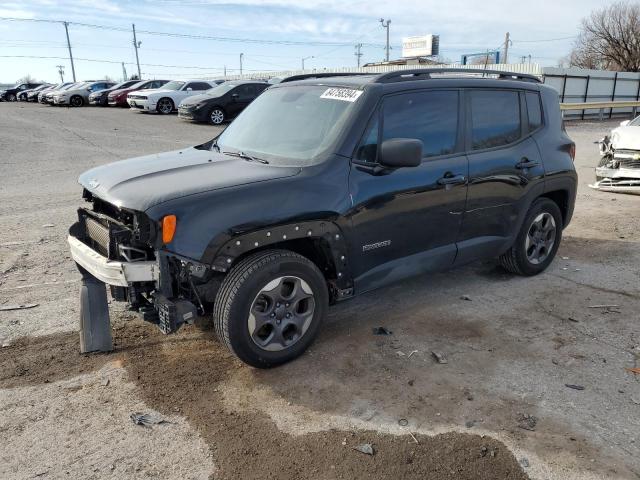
x: 329, y: 187
x: 118, y: 98
x: 619, y: 166
x: 101, y: 96
x: 220, y: 103
x: 79, y: 95
x: 46, y: 96
x: 32, y: 95
x: 11, y: 94
x: 165, y: 99
x: 23, y: 96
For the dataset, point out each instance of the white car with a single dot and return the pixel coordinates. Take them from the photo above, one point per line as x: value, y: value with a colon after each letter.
x: 78, y: 95
x: 619, y: 167
x: 166, y: 99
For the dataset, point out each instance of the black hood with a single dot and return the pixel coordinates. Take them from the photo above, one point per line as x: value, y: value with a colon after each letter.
x: 196, y: 99
x: 142, y: 182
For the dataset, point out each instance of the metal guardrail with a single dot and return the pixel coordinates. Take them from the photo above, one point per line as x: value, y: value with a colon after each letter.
x: 601, y: 107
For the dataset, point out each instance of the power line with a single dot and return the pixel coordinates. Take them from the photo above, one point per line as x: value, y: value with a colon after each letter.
x: 546, y: 40
x: 194, y: 36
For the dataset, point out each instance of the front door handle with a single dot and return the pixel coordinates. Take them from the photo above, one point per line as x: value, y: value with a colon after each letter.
x: 451, y: 179
x: 526, y: 163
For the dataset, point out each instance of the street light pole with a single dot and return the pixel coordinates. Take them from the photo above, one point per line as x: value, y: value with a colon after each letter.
x: 387, y: 27
x: 241, y: 55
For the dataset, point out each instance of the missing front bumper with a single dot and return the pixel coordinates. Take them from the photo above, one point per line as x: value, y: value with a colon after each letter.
x: 109, y: 271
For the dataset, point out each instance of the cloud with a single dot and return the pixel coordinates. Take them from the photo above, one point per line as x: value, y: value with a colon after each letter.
x: 16, y: 13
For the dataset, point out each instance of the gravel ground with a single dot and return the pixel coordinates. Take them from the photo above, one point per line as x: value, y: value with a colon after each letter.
x: 499, y: 409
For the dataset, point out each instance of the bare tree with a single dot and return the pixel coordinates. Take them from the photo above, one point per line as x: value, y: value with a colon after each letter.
x: 26, y: 79
x: 609, y: 39
x: 488, y: 59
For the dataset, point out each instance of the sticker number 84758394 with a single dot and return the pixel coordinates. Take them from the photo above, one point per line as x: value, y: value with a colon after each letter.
x: 344, y: 94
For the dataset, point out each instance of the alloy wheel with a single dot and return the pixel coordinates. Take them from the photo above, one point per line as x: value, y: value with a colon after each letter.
x: 76, y: 101
x: 541, y: 237
x: 217, y: 116
x: 281, y: 313
x: 165, y: 106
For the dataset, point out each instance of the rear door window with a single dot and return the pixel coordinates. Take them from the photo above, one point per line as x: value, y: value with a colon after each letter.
x: 495, y: 118
x: 430, y: 116
x: 199, y: 86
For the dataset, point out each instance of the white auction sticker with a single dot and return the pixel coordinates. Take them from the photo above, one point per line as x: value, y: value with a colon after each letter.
x: 344, y: 94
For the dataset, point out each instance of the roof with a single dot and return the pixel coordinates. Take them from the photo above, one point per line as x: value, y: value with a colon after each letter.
x: 359, y: 80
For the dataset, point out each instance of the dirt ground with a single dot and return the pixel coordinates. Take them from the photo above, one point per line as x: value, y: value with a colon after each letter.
x: 499, y: 409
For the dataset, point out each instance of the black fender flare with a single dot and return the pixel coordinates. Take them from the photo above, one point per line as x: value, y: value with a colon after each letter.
x: 225, y: 249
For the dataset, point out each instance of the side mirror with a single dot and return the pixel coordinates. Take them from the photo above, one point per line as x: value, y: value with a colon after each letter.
x: 189, y: 89
x: 234, y: 95
x: 401, y: 152
x: 625, y: 123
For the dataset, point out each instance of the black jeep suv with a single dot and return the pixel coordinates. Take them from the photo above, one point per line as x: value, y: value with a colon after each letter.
x: 325, y: 187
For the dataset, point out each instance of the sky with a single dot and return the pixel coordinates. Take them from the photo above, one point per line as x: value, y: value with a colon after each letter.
x: 271, y: 34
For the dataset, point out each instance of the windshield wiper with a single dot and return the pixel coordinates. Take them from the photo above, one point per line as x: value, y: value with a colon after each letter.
x: 247, y: 157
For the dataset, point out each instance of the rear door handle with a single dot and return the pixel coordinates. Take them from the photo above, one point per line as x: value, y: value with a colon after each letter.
x: 526, y: 163
x: 451, y: 179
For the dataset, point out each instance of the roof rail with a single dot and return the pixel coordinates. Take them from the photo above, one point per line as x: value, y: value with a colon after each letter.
x: 305, y: 76
x: 425, y: 73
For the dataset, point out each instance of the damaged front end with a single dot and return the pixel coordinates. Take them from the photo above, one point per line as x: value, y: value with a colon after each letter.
x: 123, y: 249
x: 618, y: 169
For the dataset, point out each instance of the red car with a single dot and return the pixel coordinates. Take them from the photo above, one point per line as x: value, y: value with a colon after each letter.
x: 118, y: 98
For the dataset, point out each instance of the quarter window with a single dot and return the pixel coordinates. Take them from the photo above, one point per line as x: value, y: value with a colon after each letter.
x: 534, y: 112
x: 430, y: 116
x: 368, y: 148
x: 495, y: 118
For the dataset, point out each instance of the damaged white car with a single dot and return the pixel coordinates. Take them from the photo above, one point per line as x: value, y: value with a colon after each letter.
x: 619, y: 167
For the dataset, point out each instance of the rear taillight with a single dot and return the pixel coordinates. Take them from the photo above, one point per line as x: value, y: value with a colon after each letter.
x: 572, y: 152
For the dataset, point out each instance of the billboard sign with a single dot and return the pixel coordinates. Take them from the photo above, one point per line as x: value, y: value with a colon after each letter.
x: 420, y: 46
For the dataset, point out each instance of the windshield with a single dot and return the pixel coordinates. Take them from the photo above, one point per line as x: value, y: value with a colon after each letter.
x: 635, y: 122
x: 309, y: 119
x: 220, y: 90
x: 172, y: 86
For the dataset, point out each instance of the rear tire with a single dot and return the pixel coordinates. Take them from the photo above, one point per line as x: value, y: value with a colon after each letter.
x: 538, y: 240
x: 270, y: 306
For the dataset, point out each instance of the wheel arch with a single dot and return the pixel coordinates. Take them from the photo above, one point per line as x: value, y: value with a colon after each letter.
x: 561, y: 198
x: 320, y: 241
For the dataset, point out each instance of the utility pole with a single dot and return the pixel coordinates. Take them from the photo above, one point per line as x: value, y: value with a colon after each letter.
x: 61, y: 72
x: 306, y: 58
x: 73, y: 68
x: 387, y: 27
x: 136, y: 45
x: 507, y: 41
x: 358, y: 53
x: 225, y: 71
x: 241, y: 55
x: 124, y: 73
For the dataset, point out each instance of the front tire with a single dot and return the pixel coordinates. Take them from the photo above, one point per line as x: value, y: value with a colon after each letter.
x: 270, y: 306
x: 165, y: 106
x: 538, y: 240
x: 11, y: 97
x: 217, y: 116
x: 76, y: 101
